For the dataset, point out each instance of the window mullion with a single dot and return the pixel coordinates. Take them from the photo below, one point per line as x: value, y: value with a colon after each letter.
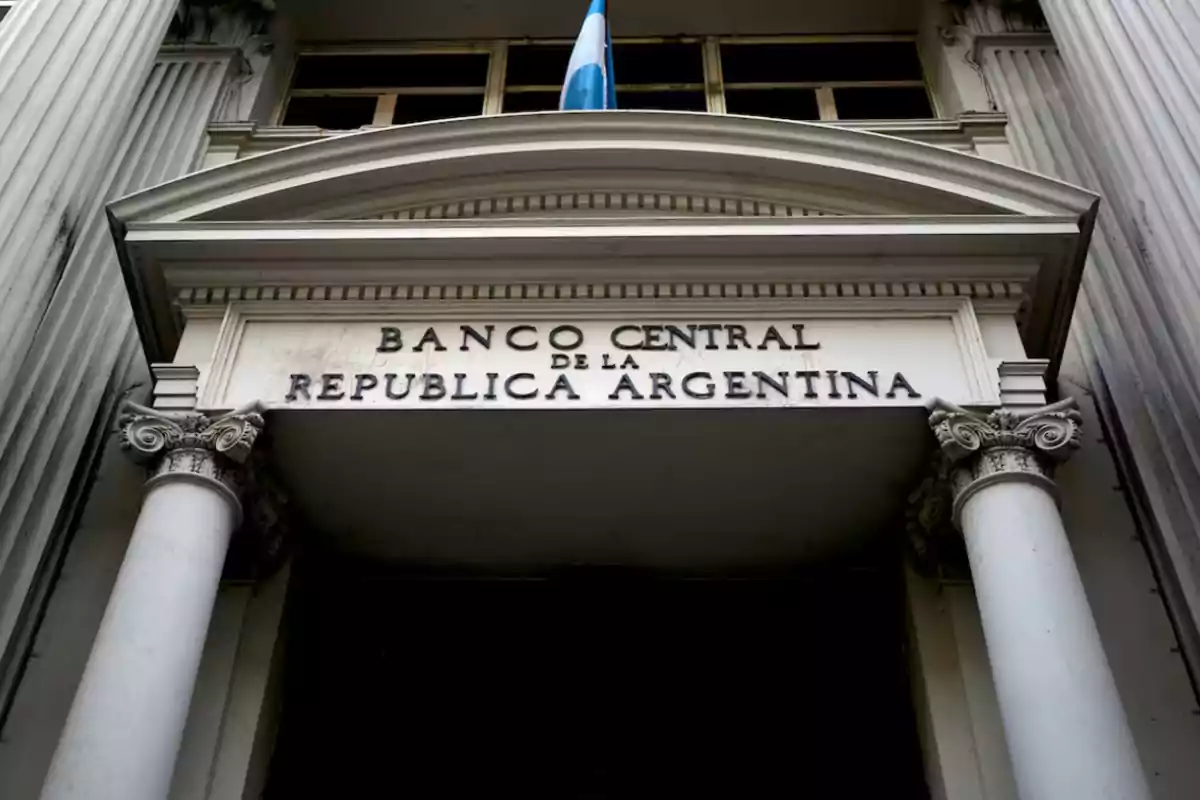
x: 826, y: 105
x: 493, y: 94
x: 714, y: 81
x: 385, y: 110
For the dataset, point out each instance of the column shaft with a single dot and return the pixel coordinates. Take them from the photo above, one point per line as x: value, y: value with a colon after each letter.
x: 1066, y: 729
x: 124, y: 730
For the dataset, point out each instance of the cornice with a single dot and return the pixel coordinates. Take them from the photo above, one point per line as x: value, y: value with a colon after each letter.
x: 165, y: 258
x: 256, y: 215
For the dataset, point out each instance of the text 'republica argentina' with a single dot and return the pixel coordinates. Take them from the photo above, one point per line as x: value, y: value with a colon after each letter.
x: 559, y: 363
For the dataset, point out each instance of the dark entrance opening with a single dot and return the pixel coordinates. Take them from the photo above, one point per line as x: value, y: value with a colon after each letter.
x: 595, y: 684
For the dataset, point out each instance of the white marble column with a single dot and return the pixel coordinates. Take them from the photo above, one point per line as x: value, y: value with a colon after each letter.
x: 123, y: 733
x: 1063, y: 720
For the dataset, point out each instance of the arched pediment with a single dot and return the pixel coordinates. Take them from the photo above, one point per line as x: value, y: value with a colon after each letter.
x: 567, y: 164
x: 545, y: 201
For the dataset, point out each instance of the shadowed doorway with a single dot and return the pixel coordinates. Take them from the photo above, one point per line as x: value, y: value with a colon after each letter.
x: 594, y: 684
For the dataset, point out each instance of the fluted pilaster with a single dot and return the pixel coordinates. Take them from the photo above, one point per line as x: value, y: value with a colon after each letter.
x: 70, y: 73
x: 1133, y: 66
x: 62, y: 381
x: 1097, y: 116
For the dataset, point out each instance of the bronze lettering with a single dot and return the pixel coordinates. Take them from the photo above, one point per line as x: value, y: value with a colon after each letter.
x: 300, y: 385
x: 389, y: 340
x: 511, y: 337
x: 363, y: 382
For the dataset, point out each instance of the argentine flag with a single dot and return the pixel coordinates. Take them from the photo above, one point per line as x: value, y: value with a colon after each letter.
x: 589, y: 82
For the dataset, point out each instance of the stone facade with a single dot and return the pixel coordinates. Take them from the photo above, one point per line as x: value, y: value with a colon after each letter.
x: 1106, y: 72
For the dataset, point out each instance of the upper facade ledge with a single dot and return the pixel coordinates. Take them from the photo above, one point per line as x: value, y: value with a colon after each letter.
x: 860, y: 171
x: 236, y: 140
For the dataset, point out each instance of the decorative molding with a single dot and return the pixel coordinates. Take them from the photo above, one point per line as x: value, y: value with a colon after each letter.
x: 221, y: 453
x: 1008, y: 444
x: 1023, y: 383
x: 175, y: 386
x: 609, y: 202
x: 937, y: 551
x: 261, y: 546
x: 193, y: 297
x: 192, y: 446
x: 268, y: 220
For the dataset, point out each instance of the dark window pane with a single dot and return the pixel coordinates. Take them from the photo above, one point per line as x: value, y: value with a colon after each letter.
x: 782, y: 103
x: 867, y: 103
x: 335, y: 113
x: 537, y: 65
x: 424, y: 107
x: 663, y: 101
x: 530, y: 101
x: 855, y: 61
x: 359, y: 72
x: 658, y: 63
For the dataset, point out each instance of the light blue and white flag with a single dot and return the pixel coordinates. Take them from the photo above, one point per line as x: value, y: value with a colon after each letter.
x: 589, y: 83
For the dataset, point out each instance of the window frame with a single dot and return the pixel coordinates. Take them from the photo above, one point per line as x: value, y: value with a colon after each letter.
x: 494, y: 89
x: 387, y: 96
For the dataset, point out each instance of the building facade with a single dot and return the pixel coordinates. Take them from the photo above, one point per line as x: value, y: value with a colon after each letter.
x: 820, y: 421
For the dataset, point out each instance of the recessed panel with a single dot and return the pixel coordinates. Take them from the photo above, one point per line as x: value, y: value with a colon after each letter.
x: 406, y: 358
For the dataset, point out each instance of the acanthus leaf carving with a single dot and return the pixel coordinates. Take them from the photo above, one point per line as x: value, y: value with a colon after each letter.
x: 1006, y: 444
x: 1051, y: 432
x: 220, y: 453
x: 148, y: 434
x: 192, y: 445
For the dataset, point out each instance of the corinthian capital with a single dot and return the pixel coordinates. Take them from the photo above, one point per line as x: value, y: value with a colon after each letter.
x: 1004, y: 445
x: 190, y: 445
x: 1051, y: 431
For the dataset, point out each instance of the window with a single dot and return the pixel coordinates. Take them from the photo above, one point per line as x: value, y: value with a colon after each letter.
x: 801, y: 78
x: 346, y: 91
x: 652, y: 75
x: 824, y: 80
x: 660, y: 75
x: 529, y: 82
